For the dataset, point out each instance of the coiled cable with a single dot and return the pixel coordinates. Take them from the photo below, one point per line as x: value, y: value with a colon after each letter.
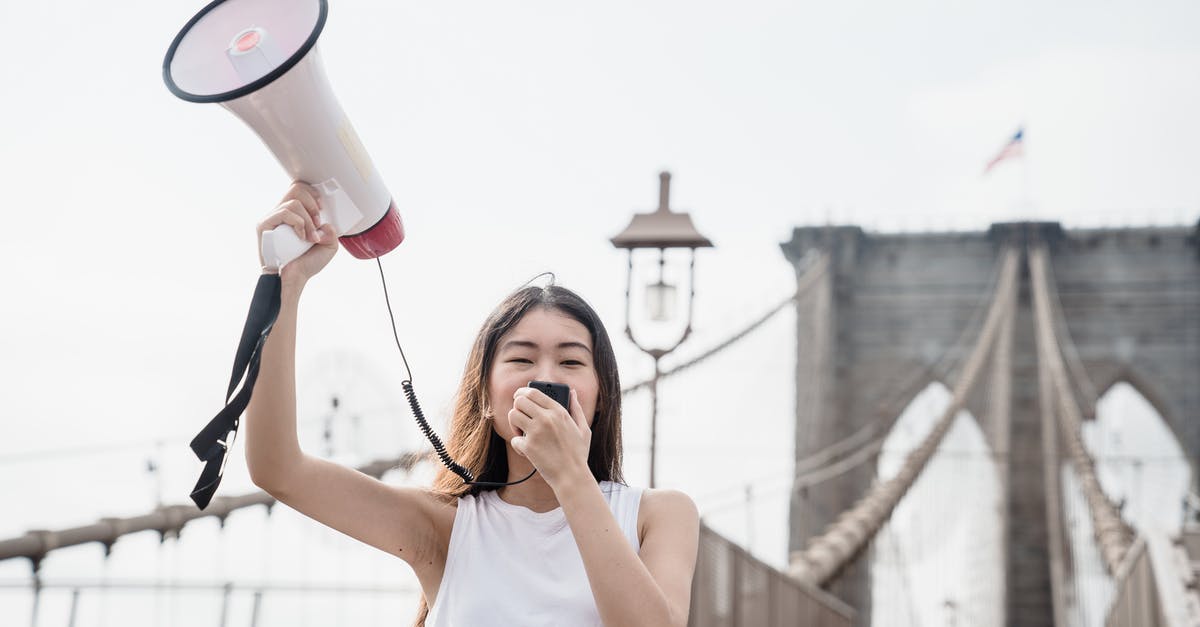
x: 467, y: 476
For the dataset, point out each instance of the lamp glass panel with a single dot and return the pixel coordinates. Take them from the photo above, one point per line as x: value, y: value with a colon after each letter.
x: 660, y: 301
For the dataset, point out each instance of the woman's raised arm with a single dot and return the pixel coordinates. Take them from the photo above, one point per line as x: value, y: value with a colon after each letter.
x: 272, y: 449
x: 397, y: 520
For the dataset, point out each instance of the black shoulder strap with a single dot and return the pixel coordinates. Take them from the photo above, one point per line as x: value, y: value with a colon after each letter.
x: 214, y: 441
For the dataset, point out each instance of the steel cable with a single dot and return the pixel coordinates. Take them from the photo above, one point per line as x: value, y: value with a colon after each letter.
x: 844, y: 539
x: 1113, y: 535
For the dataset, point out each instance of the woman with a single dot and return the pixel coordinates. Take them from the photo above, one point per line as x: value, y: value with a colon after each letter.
x: 570, y: 546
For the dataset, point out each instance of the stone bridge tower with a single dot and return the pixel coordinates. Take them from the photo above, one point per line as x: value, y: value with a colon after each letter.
x: 895, y: 312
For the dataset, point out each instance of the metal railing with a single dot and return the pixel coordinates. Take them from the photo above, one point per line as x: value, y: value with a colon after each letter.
x: 732, y: 588
x: 1136, y: 603
x: 202, y: 603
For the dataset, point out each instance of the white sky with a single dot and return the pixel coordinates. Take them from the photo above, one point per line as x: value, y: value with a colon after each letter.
x: 517, y: 138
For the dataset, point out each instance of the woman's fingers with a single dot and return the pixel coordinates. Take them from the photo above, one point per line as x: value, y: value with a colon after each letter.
x: 577, y: 414
x: 293, y: 214
x: 300, y: 211
x: 286, y: 216
x: 521, y: 416
x: 531, y: 404
x: 537, y: 397
x: 297, y: 207
x: 308, y: 197
x: 326, y: 236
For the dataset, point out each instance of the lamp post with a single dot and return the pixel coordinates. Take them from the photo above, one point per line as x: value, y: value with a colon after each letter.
x: 661, y: 229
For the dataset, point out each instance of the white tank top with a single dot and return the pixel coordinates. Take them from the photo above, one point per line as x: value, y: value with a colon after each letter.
x: 509, y: 565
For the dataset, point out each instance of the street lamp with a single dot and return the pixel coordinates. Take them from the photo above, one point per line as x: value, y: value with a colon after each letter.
x: 661, y: 229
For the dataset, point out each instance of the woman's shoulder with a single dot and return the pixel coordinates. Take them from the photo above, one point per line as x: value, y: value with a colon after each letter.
x: 665, y: 507
x: 668, y: 502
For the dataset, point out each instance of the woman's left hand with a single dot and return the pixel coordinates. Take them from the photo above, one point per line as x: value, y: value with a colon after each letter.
x: 555, y: 442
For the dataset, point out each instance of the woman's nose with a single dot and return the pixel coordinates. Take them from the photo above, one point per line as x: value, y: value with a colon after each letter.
x: 547, y: 372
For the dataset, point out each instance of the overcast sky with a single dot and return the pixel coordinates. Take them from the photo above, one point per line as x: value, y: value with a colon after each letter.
x: 517, y: 138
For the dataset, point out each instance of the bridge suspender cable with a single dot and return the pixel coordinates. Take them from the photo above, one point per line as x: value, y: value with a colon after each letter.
x: 814, y: 272
x: 864, y: 444
x: 1113, y: 536
x: 844, y: 539
x: 817, y: 468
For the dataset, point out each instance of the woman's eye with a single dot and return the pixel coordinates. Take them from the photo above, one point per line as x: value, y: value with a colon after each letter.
x: 520, y: 360
x: 573, y: 362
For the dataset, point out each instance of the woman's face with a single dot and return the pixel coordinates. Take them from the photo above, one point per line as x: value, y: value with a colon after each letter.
x: 544, y: 345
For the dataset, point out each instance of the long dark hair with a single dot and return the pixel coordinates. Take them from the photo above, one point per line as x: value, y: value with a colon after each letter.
x: 475, y: 445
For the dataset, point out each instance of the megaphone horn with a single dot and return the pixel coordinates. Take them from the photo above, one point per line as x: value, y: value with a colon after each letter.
x: 259, y: 59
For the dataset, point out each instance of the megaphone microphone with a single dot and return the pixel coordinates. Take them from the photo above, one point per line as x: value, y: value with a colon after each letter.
x: 259, y: 60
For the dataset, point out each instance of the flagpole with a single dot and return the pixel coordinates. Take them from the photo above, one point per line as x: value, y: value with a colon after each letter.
x: 1026, y: 193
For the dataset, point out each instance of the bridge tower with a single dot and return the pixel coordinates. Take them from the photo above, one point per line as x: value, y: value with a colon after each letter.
x: 895, y: 312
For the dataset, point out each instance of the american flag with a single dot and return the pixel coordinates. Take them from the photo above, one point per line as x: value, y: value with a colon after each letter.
x: 1013, y: 148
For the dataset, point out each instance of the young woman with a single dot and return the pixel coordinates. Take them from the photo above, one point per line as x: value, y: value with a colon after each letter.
x: 573, y: 545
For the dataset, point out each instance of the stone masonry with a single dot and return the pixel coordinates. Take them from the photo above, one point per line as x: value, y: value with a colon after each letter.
x: 900, y: 312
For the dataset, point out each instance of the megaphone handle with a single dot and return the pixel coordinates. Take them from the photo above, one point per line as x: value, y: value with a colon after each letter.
x: 281, y: 245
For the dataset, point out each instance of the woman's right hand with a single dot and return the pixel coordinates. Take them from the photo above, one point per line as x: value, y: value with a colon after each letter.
x: 300, y: 209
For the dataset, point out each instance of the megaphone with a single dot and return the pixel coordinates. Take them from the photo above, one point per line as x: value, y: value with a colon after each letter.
x: 259, y: 59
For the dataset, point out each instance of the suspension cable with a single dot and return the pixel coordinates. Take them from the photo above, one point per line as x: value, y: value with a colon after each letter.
x: 1112, y: 534
x: 844, y: 539
x: 890, y: 409
x: 815, y: 271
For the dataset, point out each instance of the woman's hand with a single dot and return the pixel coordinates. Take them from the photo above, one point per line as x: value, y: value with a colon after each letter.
x: 299, y: 209
x: 554, y: 441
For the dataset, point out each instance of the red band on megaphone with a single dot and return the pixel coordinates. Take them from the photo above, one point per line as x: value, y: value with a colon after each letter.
x: 378, y: 240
